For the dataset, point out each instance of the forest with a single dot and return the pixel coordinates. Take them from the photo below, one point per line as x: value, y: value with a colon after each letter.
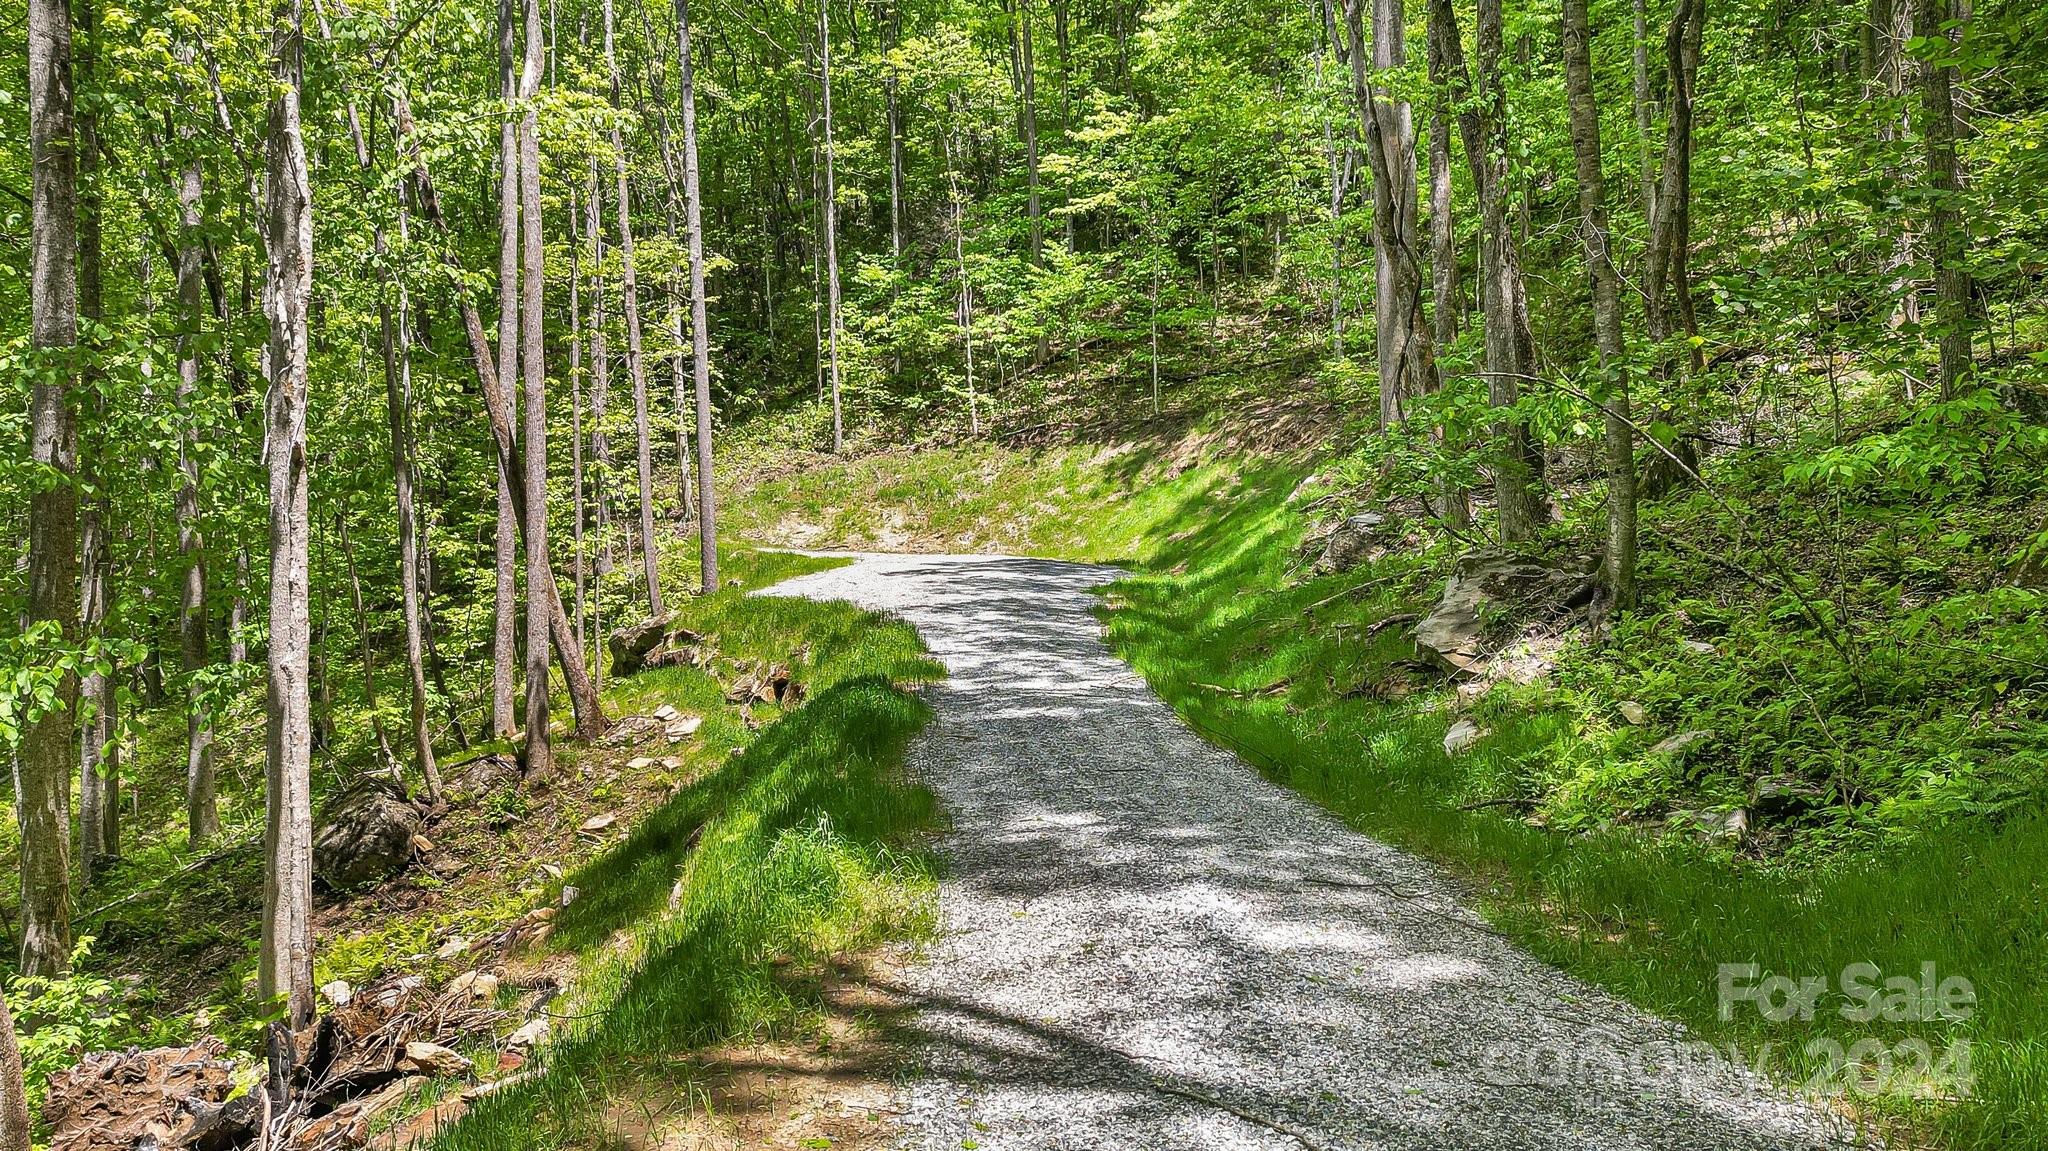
x: 408, y: 396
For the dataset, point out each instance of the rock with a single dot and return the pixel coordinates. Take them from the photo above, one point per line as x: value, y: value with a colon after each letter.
x: 337, y: 992
x: 510, y: 1061
x: 529, y: 1036
x: 667, y: 714
x: 1463, y: 734
x: 764, y: 683
x: 1785, y: 796
x: 598, y: 823
x: 434, y: 1059
x: 1699, y: 647
x: 472, y: 985
x: 454, y: 947
x: 116, y: 1100
x: 1357, y: 540
x: 1679, y: 744
x: 365, y: 834
x: 639, y: 763
x: 1488, y: 588
x: 1632, y: 712
x: 393, y: 992
x: 569, y: 895
x: 683, y: 728
x: 631, y: 644
x: 422, y: 845
x: 1714, y: 824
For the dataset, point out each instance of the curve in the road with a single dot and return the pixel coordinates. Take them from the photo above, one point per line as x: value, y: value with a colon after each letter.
x: 1144, y: 944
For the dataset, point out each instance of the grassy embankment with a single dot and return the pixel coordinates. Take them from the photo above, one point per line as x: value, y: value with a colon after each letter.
x: 1926, y: 843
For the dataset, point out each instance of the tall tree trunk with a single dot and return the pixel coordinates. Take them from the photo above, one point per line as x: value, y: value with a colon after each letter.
x: 202, y: 816
x: 1448, y: 318
x: 1645, y: 114
x: 505, y: 605
x: 43, y: 768
x: 1620, y: 554
x: 590, y: 718
x: 1406, y: 363
x: 630, y: 288
x: 831, y: 210
x: 700, y: 325
x: 1517, y: 461
x: 577, y: 488
x: 1339, y: 161
x: 540, y: 754
x: 285, y: 968
x: 1931, y: 19
x: 966, y: 307
x: 600, y: 382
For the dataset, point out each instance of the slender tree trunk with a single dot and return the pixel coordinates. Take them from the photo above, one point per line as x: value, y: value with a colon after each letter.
x: 202, y: 816
x: 1027, y: 92
x: 505, y: 605
x: 238, y: 607
x: 577, y: 487
x: 590, y: 718
x: 966, y: 308
x: 1516, y: 466
x: 1339, y: 161
x: 700, y: 324
x: 398, y: 416
x: 96, y: 568
x: 1645, y: 112
x: 600, y: 385
x: 1443, y: 248
x: 635, y: 366
x: 831, y: 209
x: 14, y: 1128
x: 1406, y: 364
x: 43, y: 767
x: 1945, y: 236
x: 1620, y: 555
x: 285, y: 967
x: 540, y: 754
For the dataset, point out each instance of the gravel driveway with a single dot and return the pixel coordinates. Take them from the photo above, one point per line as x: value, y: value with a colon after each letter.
x: 1145, y: 944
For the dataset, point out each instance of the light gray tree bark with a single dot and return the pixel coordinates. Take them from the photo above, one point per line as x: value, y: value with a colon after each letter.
x: 284, y: 973
x: 505, y: 604
x: 14, y: 1127
x: 540, y: 754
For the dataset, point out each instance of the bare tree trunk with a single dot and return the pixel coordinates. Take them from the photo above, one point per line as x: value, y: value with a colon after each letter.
x: 577, y: 488
x: 700, y: 325
x: 505, y: 605
x: 649, y: 552
x: 1620, y: 556
x: 600, y: 384
x: 238, y: 607
x: 1945, y: 236
x: 1517, y: 474
x: 966, y: 308
x: 1645, y: 114
x: 14, y: 1128
x: 202, y: 816
x: 540, y: 753
x: 1443, y: 250
x: 285, y: 968
x: 43, y: 769
x: 1339, y: 161
x: 831, y: 208
x: 1406, y: 363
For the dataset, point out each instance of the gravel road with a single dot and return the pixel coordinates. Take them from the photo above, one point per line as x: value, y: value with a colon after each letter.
x: 1144, y: 944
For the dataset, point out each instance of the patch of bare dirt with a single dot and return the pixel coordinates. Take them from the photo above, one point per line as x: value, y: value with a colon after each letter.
x: 835, y: 1087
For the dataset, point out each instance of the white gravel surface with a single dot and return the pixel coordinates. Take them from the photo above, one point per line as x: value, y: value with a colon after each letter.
x: 1145, y: 944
